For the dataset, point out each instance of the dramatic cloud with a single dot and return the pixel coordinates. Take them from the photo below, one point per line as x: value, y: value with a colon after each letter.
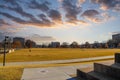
x: 91, y: 15
x: 3, y: 22
x: 13, y: 2
x: 80, y: 2
x: 44, y: 19
x: 2, y: 36
x: 33, y: 22
x: 16, y: 19
x: 108, y: 4
x: 55, y: 16
x: 38, y: 39
x: 72, y: 10
x: 36, y: 5
x: 44, y: 13
x: 96, y: 17
x: 19, y: 10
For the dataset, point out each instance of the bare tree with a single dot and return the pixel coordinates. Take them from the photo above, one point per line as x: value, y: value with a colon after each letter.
x: 65, y: 45
x: 74, y: 44
x: 16, y: 44
x: 28, y: 44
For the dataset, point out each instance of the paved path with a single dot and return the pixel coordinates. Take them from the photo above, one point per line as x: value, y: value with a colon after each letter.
x: 58, y: 61
x: 54, y: 73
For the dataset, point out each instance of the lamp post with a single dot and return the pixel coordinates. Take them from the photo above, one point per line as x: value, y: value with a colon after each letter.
x: 5, y: 42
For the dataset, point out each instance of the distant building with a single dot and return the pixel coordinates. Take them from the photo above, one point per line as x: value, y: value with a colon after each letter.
x: 116, y: 37
x: 55, y: 44
x: 116, y: 40
x: 20, y: 39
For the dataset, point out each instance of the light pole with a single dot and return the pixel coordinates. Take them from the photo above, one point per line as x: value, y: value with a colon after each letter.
x: 5, y: 42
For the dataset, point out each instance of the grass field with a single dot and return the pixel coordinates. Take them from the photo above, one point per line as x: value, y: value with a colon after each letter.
x: 45, y: 54
x: 15, y: 72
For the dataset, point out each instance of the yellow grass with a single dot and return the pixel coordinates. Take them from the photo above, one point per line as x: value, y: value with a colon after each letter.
x: 45, y: 54
x: 10, y: 73
x: 15, y: 72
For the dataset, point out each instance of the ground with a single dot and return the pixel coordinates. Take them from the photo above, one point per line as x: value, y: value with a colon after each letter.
x: 44, y: 54
x: 9, y: 73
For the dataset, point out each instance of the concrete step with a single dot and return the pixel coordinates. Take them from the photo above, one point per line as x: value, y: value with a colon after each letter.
x: 89, y: 74
x: 113, y: 70
x: 117, y: 57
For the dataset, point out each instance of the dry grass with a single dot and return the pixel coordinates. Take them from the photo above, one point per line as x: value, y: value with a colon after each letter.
x: 10, y: 73
x: 40, y: 54
x: 15, y: 72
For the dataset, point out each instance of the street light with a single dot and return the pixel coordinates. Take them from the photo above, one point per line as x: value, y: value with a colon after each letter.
x: 5, y: 43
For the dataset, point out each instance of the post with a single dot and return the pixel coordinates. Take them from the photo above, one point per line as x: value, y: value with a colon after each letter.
x: 5, y: 50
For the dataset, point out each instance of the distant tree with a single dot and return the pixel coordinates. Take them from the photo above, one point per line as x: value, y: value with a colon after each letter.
x: 65, y: 45
x: 96, y: 44
x: 110, y: 43
x: 28, y: 44
x: 87, y: 44
x: 16, y: 44
x: 74, y: 44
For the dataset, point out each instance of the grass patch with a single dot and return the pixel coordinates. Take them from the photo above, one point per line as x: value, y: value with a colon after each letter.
x: 10, y: 73
x: 15, y: 72
x: 45, y: 54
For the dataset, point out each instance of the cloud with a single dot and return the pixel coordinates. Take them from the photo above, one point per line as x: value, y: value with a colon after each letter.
x: 38, y: 39
x: 44, y: 19
x: 55, y: 16
x: 72, y: 10
x: 19, y: 10
x: 80, y: 2
x: 13, y: 2
x: 2, y: 36
x: 33, y: 22
x: 41, y: 6
x: 108, y: 4
x: 3, y: 22
x: 91, y: 15
x: 16, y: 19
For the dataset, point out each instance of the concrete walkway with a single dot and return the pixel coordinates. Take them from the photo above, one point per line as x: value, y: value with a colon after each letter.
x: 58, y: 61
x: 52, y: 73
x: 55, y: 73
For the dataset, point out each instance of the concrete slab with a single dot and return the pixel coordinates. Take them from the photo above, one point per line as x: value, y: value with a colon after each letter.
x: 54, y: 73
x: 44, y: 74
x: 51, y: 73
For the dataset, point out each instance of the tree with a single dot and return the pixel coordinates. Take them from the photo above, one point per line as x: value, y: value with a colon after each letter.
x: 28, y: 44
x: 74, y: 44
x: 16, y: 44
x: 65, y: 45
x: 87, y: 44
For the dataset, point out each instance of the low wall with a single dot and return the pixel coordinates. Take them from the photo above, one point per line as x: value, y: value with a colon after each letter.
x: 107, y: 70
x: 117, y: 57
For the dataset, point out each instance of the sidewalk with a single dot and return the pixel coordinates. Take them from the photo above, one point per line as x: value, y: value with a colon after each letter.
x: 56, y: 73
x: 58, y: 61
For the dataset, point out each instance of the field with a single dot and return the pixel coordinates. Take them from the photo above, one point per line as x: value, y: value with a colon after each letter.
x: 39, y: 54
x: 45, y: 54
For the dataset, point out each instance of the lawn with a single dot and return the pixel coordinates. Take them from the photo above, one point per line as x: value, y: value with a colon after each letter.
x: 45, y: 54
x: 15, y: 72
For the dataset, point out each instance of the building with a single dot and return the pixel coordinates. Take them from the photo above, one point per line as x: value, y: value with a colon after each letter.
x: 55, y: 44
x: 116, y: 37
x: 20, y: 39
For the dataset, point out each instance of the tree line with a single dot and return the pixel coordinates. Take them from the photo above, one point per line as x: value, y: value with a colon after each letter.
x: 31, y: 44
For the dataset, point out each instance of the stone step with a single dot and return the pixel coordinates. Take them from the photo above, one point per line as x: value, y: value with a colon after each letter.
x: 89, y: 74
x: 117, y: 57
x: 113, y: 70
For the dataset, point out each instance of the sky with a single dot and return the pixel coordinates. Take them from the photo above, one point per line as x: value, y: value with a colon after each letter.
x: 60, y: 20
